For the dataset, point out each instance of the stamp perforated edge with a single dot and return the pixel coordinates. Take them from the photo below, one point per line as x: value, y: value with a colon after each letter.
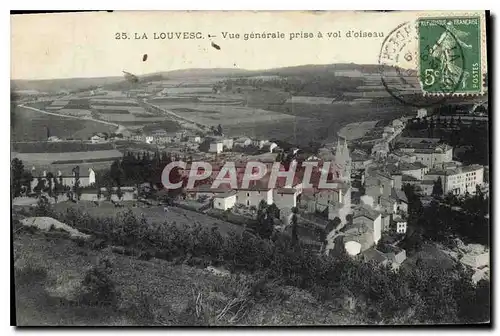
x: 483, y: 49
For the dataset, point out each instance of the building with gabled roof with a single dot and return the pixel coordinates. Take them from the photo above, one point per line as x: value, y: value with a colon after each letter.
x: 225, y: 200
x: 459, y: 180
x: 254, y: 194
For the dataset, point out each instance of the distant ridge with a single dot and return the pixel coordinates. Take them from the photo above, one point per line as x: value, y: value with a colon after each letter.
x: 47, y: 85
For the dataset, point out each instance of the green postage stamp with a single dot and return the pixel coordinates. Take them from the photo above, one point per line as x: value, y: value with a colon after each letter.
x: 450, y: 51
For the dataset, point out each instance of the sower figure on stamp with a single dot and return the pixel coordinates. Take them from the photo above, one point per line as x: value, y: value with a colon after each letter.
x: 446, y: 51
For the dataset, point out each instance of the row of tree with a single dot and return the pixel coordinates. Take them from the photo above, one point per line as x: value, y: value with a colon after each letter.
x: 450, y: 216
x: 53, y: 186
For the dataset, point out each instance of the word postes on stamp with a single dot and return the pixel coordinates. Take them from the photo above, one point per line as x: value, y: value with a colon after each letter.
x: 450, y: 55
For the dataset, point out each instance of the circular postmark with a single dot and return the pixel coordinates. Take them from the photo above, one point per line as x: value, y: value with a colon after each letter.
x: 409, y: 62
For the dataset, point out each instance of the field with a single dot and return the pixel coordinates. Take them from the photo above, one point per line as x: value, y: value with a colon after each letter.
x: 58, y: 147
x: 324, y: 121
x: 272, y: 113
x: 69, y: 157
x: 226, y: 115
x: 310, y: 100
x: 355, y: 131
x: 28, y: 125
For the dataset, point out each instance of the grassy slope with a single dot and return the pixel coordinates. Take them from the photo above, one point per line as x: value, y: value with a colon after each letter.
x: 28, y: 125
x: 168, y: 288
x: 154, y: 214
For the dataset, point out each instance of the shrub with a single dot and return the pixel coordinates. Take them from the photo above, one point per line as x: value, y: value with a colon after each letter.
x: 420, y: 294
x: 98, y: 289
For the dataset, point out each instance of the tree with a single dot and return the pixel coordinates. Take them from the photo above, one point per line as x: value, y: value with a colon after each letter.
x: 265, y: 221
x: 119, y: 193
x: 437, y: 189
x: 116, y: 173
x: 40, y: 186
x: 273, y: 210
x: 77, y: 190
x: 17, y: 170
x: 220, y: 131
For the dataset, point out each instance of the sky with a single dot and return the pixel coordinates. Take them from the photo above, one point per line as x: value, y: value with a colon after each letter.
x: 69, y: 45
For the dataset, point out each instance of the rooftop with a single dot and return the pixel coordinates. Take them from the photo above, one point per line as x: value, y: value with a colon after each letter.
x: 226, y: 194
x: 373, y: 255
x: 409, y: 178
x: 399, y: 195
x: 365, y: 211
x: 286, y: 190
x: 456, y: 170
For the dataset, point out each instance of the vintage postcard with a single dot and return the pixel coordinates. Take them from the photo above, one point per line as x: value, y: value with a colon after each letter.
x: 250, y: 168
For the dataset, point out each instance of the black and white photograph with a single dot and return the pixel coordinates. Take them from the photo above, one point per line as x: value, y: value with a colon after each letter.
x: 250, y: 168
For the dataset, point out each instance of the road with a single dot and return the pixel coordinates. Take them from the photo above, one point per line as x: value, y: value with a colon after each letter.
x: 73, y: 117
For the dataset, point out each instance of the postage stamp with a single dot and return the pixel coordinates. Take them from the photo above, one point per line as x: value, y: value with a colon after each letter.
x: 450, y: 55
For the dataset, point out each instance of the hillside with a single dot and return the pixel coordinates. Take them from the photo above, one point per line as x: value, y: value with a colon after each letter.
x: 50, y: 267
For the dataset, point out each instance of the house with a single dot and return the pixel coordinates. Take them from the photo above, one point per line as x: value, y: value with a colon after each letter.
x: 225, y: 201
x: 421, y: 113
x: 216, y: 147
x: 325, y: 198
x: 380, y: 149
x: 138, y: 137
x: 65, y: 175
x: 415, y: 169
x: 429, y: 151
x: 227, y: 143
x: 460, y: 180
x: 401, y: 156
x: 401, y: 201
x: 401, y: 224
x: 285, y: 197
x: 259, y: 143
x: 205, y: 191
x: 254, y: 194
x: 97, y: 139
x: 194, y: 138
x: 366, y: 227
x: 375, y: 256
x: 243, y: 142
x: 378, y: 183
x: 360, y: 160
x: 426, y: 187
x: 395, y: 255
x: 386, y: 220
x: 53, y: 139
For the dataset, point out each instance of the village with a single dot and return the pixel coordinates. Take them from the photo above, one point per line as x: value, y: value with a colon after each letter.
x: 365, y: 213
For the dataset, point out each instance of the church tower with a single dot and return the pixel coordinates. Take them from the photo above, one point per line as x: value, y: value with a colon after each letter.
x: 343, y: 159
